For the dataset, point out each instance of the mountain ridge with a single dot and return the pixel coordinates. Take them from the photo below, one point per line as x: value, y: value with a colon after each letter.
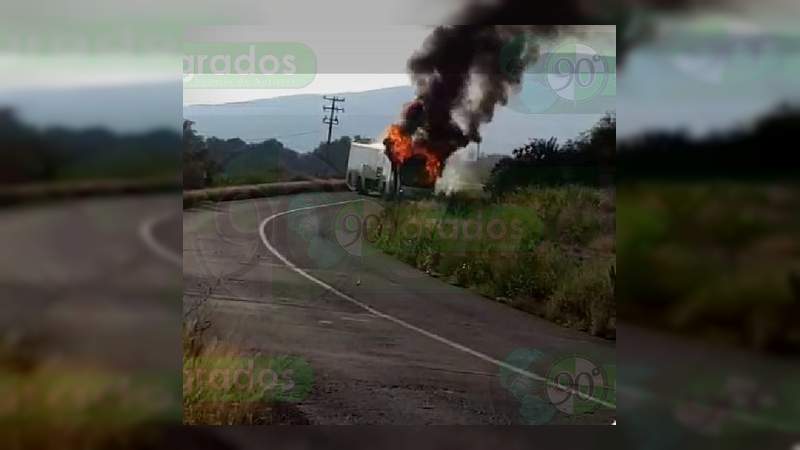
x: 296, y: 120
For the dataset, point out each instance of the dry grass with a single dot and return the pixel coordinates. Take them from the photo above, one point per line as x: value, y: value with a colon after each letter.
x: 206, y: 403
x: 52, y: 403
x: 554, y: 260
x: 713, y: 260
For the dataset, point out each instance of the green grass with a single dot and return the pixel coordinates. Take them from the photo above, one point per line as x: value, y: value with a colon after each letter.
x: 54, y: 403
x: 715, y: 260
x: 213, y: 388
x: 547, y: 251
x: 585, y: 298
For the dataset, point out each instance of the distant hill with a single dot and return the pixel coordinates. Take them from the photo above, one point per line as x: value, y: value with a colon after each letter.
x: 296, y: 120
x: 30, y: 154
x: 123, y: 108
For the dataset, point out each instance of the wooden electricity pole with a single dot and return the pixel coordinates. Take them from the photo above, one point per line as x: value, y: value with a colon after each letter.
x: 332, y: 120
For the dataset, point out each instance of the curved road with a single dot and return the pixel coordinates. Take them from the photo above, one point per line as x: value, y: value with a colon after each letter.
x: 387, y: 343
x: 79, y: 285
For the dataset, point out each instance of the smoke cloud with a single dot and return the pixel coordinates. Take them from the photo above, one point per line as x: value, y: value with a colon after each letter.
x: 462, y: 73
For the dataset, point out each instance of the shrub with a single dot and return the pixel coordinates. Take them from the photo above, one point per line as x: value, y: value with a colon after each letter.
x: 585, y: 297
x: 587, y: 160
x: 202, y: 404
x: 534, y: 265
x: 542, y: 271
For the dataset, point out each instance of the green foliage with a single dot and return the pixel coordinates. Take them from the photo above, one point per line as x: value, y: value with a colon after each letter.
x: 255, y: 164
x: 217, y: 162
x: 198, y: 168
x: 585, y: 298
x: 523, y: 251
x: 30, y: 155
x: 712, y: 259
x: 587, y: 160
x: 755, y: 152
x: 334, y: 155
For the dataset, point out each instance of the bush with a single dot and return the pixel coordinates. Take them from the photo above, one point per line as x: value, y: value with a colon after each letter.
x: 202, y: 404
x: 585, y: 297
x: 587, y: 160
x: 712, y: 259
x: 540, y: 261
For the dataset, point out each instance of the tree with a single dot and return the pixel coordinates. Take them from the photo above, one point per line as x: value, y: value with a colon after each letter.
x: 198, y: 169
x: 25, y: 156
x: 588, y: 159
x: 763, y: 150
x: 334, y: 156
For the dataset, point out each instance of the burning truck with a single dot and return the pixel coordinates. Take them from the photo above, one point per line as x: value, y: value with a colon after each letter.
x: 368, y: 168
x: 372, y: 168
x: 408, y: 161
x: 461, y: 74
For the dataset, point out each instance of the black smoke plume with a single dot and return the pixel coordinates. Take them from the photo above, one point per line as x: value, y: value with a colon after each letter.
x: 461, y: 74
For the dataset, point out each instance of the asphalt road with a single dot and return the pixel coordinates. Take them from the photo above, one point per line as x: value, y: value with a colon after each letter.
x: 95, y: 283
x: 91, y: 309
x: 387, y: 343
x: 78, y: 279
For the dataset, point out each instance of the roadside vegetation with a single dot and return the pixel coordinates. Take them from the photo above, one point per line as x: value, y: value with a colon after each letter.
x: 548, y: 251
x: 541, y: 239
x: 707, y: 230
x: 199, y: 405
x: 708, y: 233
x: 41, y: 164
x: 587, y: 160
x: 214, y: 162
x: 717, y: 259
x: 33, y: 156
x: 217, y: 170
x: 213, y: 392
x: 52, y: 402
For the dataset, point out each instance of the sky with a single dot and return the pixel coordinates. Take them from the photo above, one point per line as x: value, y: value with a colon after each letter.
x: 130, y: 86
x: 660, y: 87
x: 709, y: 74
x: 350, y: 59
x: 324, y: 83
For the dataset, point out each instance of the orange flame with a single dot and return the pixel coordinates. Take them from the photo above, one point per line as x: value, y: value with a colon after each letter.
x: 433, y: 166
x: 402, y: 147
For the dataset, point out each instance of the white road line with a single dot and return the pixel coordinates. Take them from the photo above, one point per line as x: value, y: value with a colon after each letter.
x: 146, y: 233
x: 402, y: 322
x: 354, y: 319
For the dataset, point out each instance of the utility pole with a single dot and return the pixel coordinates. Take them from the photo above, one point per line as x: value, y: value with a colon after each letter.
x: 332, y: 120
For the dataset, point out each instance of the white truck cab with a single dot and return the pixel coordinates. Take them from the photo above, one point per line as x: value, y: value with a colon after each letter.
x: 368, y: 168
